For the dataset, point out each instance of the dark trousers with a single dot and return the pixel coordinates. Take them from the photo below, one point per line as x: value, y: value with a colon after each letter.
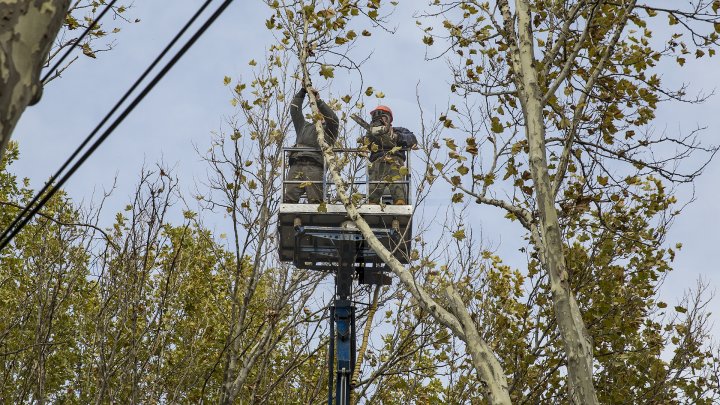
x: 304, y: 172
x: 387, y: 171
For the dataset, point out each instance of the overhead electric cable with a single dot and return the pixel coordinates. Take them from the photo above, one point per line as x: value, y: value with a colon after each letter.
x: 77, y: 41
x: 21, y: 220
x: 117, y: 105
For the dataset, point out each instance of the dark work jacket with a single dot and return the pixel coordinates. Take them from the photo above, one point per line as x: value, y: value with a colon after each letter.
x: 306, y: 135
x: 405, y: 140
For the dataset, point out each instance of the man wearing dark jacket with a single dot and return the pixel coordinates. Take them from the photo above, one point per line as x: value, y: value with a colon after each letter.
x: 307, y: 165
x: 388, y: 147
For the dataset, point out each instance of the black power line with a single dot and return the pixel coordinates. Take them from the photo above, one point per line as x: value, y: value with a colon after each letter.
x: 77, y: 41
x: 117, y: 105
x: 49, y: 190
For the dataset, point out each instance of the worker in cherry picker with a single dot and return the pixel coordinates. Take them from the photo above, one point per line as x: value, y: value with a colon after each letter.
x: 307, y: 165
x: 388, y: 147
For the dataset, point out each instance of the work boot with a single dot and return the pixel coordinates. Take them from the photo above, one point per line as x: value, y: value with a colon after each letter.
x: 400, y: 202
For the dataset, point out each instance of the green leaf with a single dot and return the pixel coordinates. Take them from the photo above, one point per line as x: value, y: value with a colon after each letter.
x: 495, y: 125
x: 459, y: 234
x: 449, y: 142
x: 87, y: 51
x: 489, y: 179
x: 680, y: 309
x: 327, y: 71
x: 71, y: 22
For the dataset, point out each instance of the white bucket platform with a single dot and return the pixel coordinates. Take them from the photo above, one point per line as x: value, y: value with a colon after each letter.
x: 309, y: 237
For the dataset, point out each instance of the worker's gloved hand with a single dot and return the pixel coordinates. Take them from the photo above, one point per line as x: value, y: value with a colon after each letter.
x: 303, y: 92
x: 383, y: 137
x: 378, y: 130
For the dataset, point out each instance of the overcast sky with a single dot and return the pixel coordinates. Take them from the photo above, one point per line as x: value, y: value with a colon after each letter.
x: 191, y: 103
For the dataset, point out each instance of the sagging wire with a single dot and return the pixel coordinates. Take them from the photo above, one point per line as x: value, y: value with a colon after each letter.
x: 49, y: 190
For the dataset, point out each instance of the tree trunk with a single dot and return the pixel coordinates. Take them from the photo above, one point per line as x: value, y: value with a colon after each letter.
x: 27, y: 31
x: 575, y: 337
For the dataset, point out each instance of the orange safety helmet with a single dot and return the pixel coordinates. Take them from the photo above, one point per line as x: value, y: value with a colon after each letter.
x: 383, y: 108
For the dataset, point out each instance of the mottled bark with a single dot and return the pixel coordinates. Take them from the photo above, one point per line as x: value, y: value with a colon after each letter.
x: 27, y: 31
x: 578, y: 346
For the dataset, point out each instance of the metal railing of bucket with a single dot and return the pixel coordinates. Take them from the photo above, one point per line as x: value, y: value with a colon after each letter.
x: 354, y: 164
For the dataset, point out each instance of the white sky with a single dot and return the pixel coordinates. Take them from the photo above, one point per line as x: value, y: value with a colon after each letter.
x: 191, y: 102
